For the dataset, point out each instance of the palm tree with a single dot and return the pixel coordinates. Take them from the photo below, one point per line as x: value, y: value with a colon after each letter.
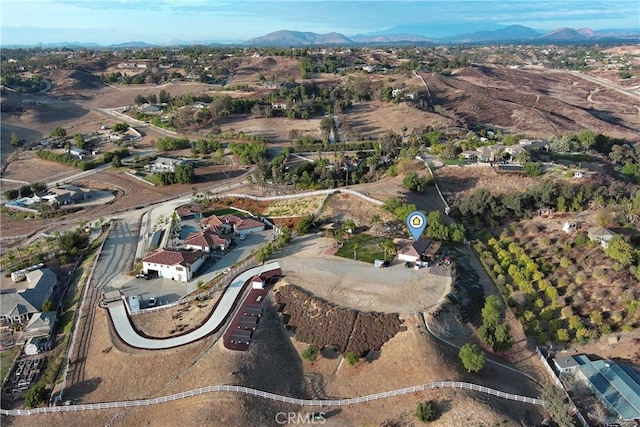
x: 389, y: 248
x: 355, y: 251
x: 597, y: 202
x: 630, y: 212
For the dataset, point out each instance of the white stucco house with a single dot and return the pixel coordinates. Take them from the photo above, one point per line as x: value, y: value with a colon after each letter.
x: 206, y: 241
x: 175, y: 265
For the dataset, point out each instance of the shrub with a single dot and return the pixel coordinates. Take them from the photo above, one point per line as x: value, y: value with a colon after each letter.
x: 425, y: 412
x: 352, y: 358
x: 36, y: 396
x: 310, y: 353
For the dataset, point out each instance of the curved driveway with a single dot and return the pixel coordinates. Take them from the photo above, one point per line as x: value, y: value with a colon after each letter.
x: 130, y: 336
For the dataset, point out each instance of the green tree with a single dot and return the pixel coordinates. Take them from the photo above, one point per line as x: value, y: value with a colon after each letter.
x: 425, y: 412
x: 58, y: 132
x: 304, y: 224
x: 413, y: 182
x: 47, y: 306
x: 532, y: 169
x: 78, y: 139
x: 621, y: 251
x: 36, y: 396
x: 310, y: 353
x: 472, y: 357
x: 492, y: 310
x: 352, y: 358
x: 184, y: 174
x: 15, y: 141
x: 554, y: 403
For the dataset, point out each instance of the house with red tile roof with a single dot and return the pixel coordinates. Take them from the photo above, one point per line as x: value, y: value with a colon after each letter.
x: 189, y: 212
x: 228, y: 223
x: 206, y: 240
x: 171, y: 264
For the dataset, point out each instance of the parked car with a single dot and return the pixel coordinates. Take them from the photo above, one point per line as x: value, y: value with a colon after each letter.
x: 142, y: 276
x: 152, y: 301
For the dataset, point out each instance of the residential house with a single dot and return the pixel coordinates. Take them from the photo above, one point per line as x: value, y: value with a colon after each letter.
x: 154, y: 109
x: 601, y: 235
x: 223, y: 224
x: 229, y: 223
x: 248, y: 226
x: 408, y: 250
x: 206, y: 241
x: 535, y: 145
x: 189, y: 212
x: 40, y: 325
x: 64, y: 196
x: 514, y: 151
x: 469, y: 156
x: 566, y: 365
x: 279, y: 105
x: 17, y: 308
x: 165, y: 164
x: 485, y: 154
x: 78, y: 152
x: 175, y: 265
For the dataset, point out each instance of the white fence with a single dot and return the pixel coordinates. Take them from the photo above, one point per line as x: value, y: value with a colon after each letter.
x: 270, y: 396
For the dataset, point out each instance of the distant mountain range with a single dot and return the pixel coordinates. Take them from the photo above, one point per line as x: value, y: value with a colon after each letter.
x: 404, y: 35
x: 510, y: 34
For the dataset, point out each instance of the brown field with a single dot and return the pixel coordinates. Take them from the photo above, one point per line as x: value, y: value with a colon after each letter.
x: 457, y: 182
x: 538, y: 103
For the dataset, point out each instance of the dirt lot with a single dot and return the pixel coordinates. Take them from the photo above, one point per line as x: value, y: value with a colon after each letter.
x: 360, y: 285
x: 457, y: 182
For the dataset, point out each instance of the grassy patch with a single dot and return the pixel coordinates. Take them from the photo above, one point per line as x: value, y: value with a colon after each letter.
x: 453, y: 162
x: 369, y: 248
x: 65, y: 323
x: 219, y: 212
x: 574, y: 157
x: 6, y: 360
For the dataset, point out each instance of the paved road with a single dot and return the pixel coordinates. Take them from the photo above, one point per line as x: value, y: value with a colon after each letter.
x: 125, y: 331
x: 607, y: 84
x: 114, y: 258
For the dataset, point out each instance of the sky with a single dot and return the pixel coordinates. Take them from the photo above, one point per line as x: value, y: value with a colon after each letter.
x: 165, y: 21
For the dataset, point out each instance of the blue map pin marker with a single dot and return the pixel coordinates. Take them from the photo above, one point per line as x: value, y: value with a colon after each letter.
x: 417, y: 222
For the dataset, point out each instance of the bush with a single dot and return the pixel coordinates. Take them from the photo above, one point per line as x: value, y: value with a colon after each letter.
x: 425, y: 412
x: 352, y: 358
x: 36, y: 396
x: 310, y: 353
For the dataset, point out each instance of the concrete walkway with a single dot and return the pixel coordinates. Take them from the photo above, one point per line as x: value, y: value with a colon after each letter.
x: 130, y: 336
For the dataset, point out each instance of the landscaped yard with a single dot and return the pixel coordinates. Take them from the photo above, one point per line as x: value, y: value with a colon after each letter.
x: 6, y: 360
x: 365, y: 248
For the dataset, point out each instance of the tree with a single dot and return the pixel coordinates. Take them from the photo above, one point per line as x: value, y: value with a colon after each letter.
x: 304, y: 224
x: 425, y: 412
x: 120, y: 127
x: 472, y: 357
x: 15, y: 141
x: 185, y: 174
x: 58, y: 132
x: 36, y: 396
x: 532, y: 169
x: 78, y: 139
x: 621, y: 251
x: 554, y: 403
x: 413, y: 182
x: 352, y: 358
x: 310, y: 353
x: 492, y: 310
x: 47, y: 306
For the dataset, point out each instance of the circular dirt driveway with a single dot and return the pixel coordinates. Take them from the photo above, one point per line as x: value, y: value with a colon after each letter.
x: 360, y: 285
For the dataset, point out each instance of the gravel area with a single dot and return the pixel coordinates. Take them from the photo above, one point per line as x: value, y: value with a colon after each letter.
x: 393, y: 289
